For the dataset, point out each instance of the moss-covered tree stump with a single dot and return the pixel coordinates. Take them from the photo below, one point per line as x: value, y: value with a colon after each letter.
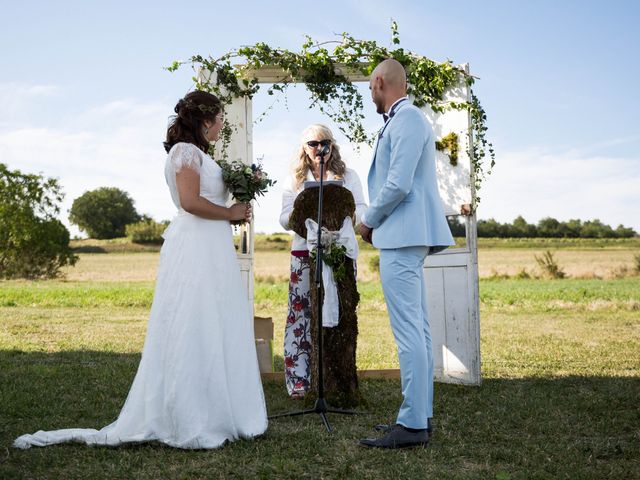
x: 339, y: 343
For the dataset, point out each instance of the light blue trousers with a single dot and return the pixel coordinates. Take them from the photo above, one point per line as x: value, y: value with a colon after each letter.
x: 401, y: 271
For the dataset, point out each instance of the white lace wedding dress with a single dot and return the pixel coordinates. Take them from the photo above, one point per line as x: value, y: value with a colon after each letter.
x: 198, y: 383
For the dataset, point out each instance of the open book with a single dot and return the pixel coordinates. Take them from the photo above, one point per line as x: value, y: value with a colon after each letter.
x: 312, y: 184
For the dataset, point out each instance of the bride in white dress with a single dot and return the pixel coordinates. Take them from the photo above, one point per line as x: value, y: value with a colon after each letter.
x: 198, y: 383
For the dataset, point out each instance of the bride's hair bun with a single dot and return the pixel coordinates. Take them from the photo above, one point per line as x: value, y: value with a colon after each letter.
x: 184, y: 109
x: 191, y: 111
x: 179, y: 106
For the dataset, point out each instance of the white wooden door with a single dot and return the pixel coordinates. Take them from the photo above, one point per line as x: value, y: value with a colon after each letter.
x: 452, y: 289
x: 240, y: 115
x: 452, y: 276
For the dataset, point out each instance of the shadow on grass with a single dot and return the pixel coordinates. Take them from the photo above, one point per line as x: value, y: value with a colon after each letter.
x: 573, y: 426
x: 89, y: 249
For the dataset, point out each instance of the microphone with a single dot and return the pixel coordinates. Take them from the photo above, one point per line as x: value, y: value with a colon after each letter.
x: 323, y: 152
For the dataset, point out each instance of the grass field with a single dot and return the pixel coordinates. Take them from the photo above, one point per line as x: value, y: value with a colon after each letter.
x: 579, y: 257
x: 559, y: 399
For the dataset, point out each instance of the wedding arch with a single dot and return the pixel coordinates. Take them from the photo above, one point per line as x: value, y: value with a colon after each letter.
x: 443, y: 91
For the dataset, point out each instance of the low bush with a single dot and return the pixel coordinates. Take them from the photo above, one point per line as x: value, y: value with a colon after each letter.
x: 147, y: 231
x: 549, y: 265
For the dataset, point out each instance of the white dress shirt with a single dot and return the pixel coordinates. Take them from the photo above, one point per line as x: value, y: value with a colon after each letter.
x: 289, y: 194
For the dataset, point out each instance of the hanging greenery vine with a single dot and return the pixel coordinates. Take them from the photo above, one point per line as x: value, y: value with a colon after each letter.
x: 325, y: 74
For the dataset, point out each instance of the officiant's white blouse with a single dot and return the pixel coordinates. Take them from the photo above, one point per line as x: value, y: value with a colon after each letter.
x: 289, y: 194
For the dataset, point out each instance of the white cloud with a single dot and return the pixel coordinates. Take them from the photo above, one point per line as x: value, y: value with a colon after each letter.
x: 536, y: 183
x: 118, y: 144
x: 613, y: 142
x: 21, y: 92
x: 18, y: 101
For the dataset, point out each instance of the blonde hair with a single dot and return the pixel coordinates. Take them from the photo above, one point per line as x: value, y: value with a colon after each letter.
x: 302, y: 164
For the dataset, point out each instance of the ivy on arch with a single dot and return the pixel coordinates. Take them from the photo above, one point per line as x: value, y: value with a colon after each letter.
x: 324, y: 68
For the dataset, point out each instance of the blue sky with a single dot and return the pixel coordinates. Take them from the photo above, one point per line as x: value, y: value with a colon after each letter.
x: 85, y: 98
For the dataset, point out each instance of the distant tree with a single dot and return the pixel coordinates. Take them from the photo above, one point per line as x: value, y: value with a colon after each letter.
x: 572, y: 228
x: 489, y: 228
x: 624, y: 232
x: 456, y: 226
x: 596, y: 229
x: 104, y: 212
x: 33, y: 243
x: 563, y: 230
x: 522, y: 229
x: 549, y: 227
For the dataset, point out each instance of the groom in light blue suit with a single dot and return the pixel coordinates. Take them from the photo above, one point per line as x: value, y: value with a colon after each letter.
x: 406, y: 221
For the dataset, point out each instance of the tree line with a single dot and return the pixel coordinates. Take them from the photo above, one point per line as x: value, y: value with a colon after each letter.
x: 34, y: 243
x: 548, y: 227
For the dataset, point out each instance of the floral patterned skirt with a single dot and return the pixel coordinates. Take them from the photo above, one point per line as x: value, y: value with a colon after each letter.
x: 297, y: 332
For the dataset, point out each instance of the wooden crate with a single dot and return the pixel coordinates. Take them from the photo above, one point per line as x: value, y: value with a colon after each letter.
x: 263, y: 332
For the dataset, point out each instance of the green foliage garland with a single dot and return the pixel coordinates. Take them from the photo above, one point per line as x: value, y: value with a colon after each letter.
x: 325, y: 74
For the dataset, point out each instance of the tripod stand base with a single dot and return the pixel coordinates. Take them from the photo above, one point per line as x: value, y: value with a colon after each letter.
x: 321, y: 409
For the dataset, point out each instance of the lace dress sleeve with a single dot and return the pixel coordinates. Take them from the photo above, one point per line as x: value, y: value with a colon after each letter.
x: 185, y: 155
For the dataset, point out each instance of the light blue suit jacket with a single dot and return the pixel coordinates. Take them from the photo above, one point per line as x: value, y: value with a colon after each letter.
x: 405, y: 207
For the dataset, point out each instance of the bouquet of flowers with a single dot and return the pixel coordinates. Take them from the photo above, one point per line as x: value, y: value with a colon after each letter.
x: 243, y: 181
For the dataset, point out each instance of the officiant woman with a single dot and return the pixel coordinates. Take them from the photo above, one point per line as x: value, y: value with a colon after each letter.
x: 306, y: 167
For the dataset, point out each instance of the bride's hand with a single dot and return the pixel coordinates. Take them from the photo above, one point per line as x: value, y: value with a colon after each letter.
x: 240, y: 211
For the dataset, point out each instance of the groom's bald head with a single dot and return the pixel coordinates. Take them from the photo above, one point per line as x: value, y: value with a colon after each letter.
x: 392, y: 73
x: 388, y: 83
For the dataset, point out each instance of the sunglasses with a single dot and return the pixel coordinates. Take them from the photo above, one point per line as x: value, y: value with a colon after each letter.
x: 315, y: 143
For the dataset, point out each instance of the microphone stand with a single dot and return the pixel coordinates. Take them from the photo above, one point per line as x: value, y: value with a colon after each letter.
x: 320, y: 407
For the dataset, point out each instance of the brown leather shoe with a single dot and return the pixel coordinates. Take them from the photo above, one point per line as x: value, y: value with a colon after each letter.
x: 398, y: 437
